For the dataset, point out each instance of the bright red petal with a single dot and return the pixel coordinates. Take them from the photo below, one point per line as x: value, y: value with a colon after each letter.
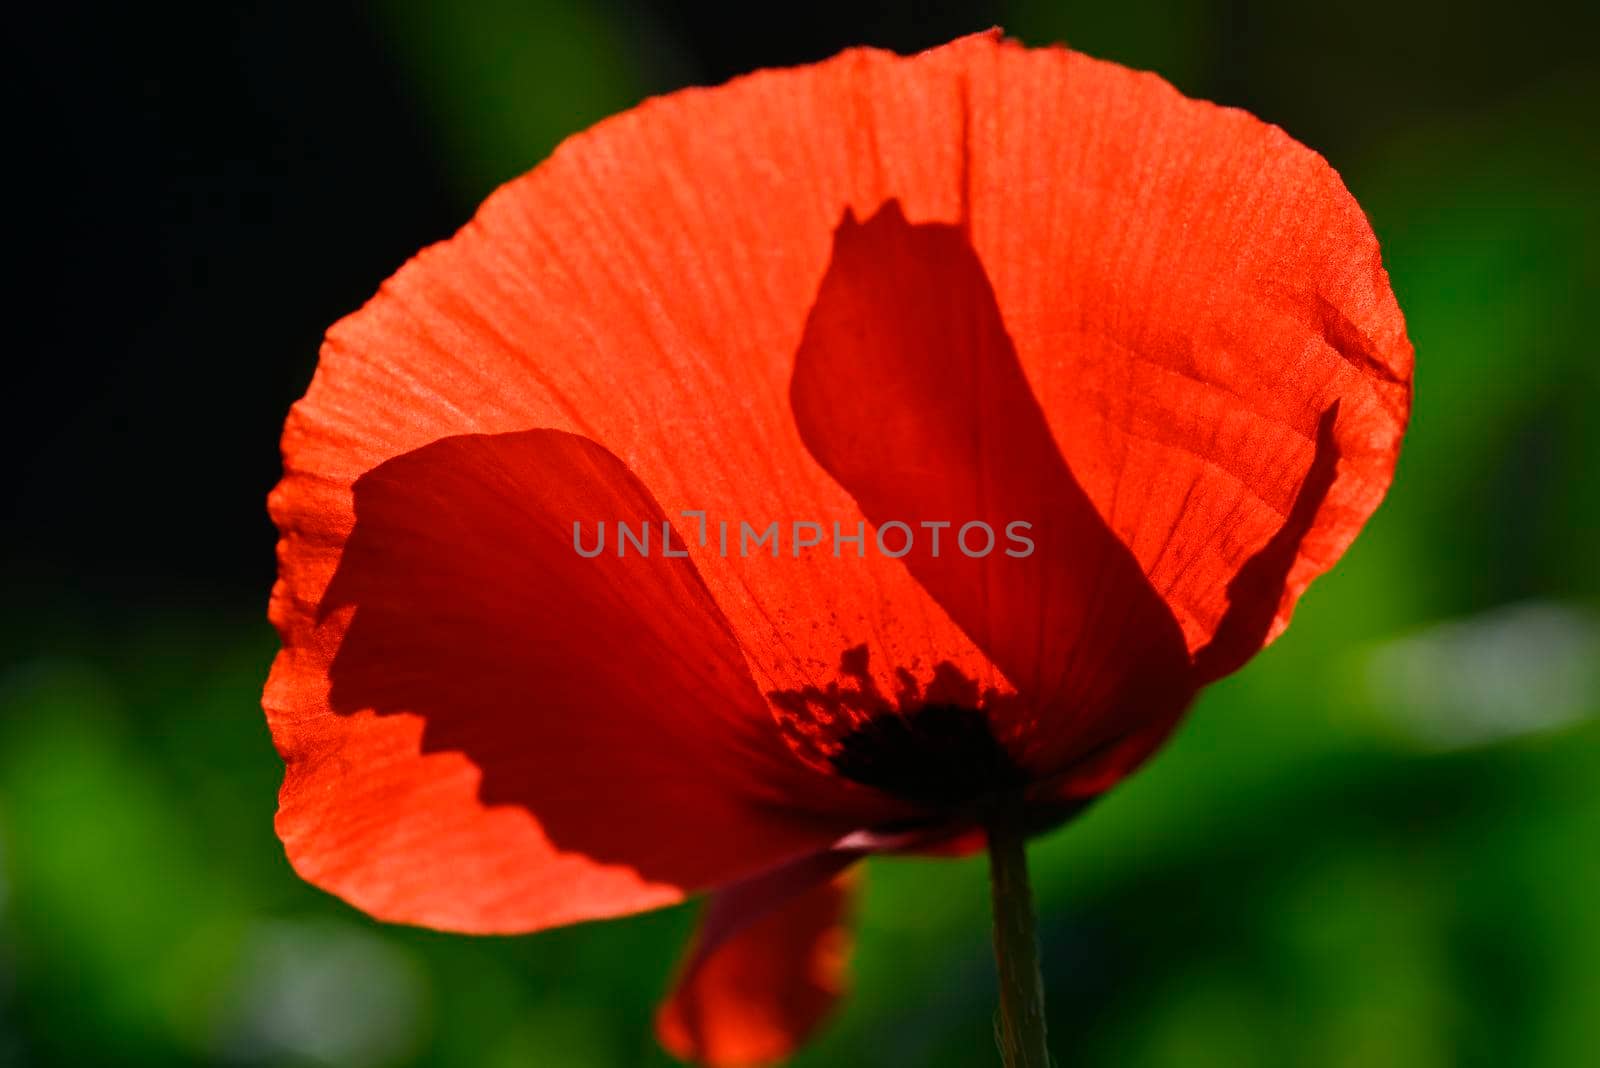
x: 486, y: 731
x: 762, y: 990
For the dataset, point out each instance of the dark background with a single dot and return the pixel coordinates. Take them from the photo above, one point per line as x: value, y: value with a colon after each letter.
x: 1377, y: 846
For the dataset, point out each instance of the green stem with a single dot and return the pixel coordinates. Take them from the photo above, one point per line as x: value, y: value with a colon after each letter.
x: 1020, y: 1026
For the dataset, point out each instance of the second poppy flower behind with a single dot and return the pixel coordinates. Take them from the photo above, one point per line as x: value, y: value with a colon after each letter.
x: 984, y: 287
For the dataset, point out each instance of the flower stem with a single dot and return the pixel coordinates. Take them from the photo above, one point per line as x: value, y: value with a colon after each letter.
x: 1019, y: 1029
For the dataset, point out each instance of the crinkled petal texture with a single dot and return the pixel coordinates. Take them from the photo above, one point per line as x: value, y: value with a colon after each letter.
x: 1164, y: 337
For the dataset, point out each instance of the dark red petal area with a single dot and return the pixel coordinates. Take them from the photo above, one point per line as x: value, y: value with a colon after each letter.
x: 763, y: 989
x: 908, y: 391
x: 485, y: 730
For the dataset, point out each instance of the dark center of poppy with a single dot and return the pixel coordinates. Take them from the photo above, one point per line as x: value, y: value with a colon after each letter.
x: 940, y: 755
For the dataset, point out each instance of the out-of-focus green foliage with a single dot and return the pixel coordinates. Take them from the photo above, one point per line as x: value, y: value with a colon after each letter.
x: 506, y: 80
x: 1369, y: 848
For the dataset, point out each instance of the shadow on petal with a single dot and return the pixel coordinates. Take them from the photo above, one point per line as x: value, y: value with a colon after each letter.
x: 907, y: 389
x: 1255, y: 593
x: 605, y: 696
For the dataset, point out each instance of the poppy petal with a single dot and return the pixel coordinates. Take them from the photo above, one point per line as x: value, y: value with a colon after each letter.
x: 1190, y: 292
x: 486, y: 731
x: 765, y: 987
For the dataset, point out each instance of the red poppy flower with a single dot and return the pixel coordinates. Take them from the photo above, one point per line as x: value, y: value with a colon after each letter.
x: 979, y: 287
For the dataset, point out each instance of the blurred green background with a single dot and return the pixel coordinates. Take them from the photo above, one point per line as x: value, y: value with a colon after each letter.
x: 1377, y: 846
